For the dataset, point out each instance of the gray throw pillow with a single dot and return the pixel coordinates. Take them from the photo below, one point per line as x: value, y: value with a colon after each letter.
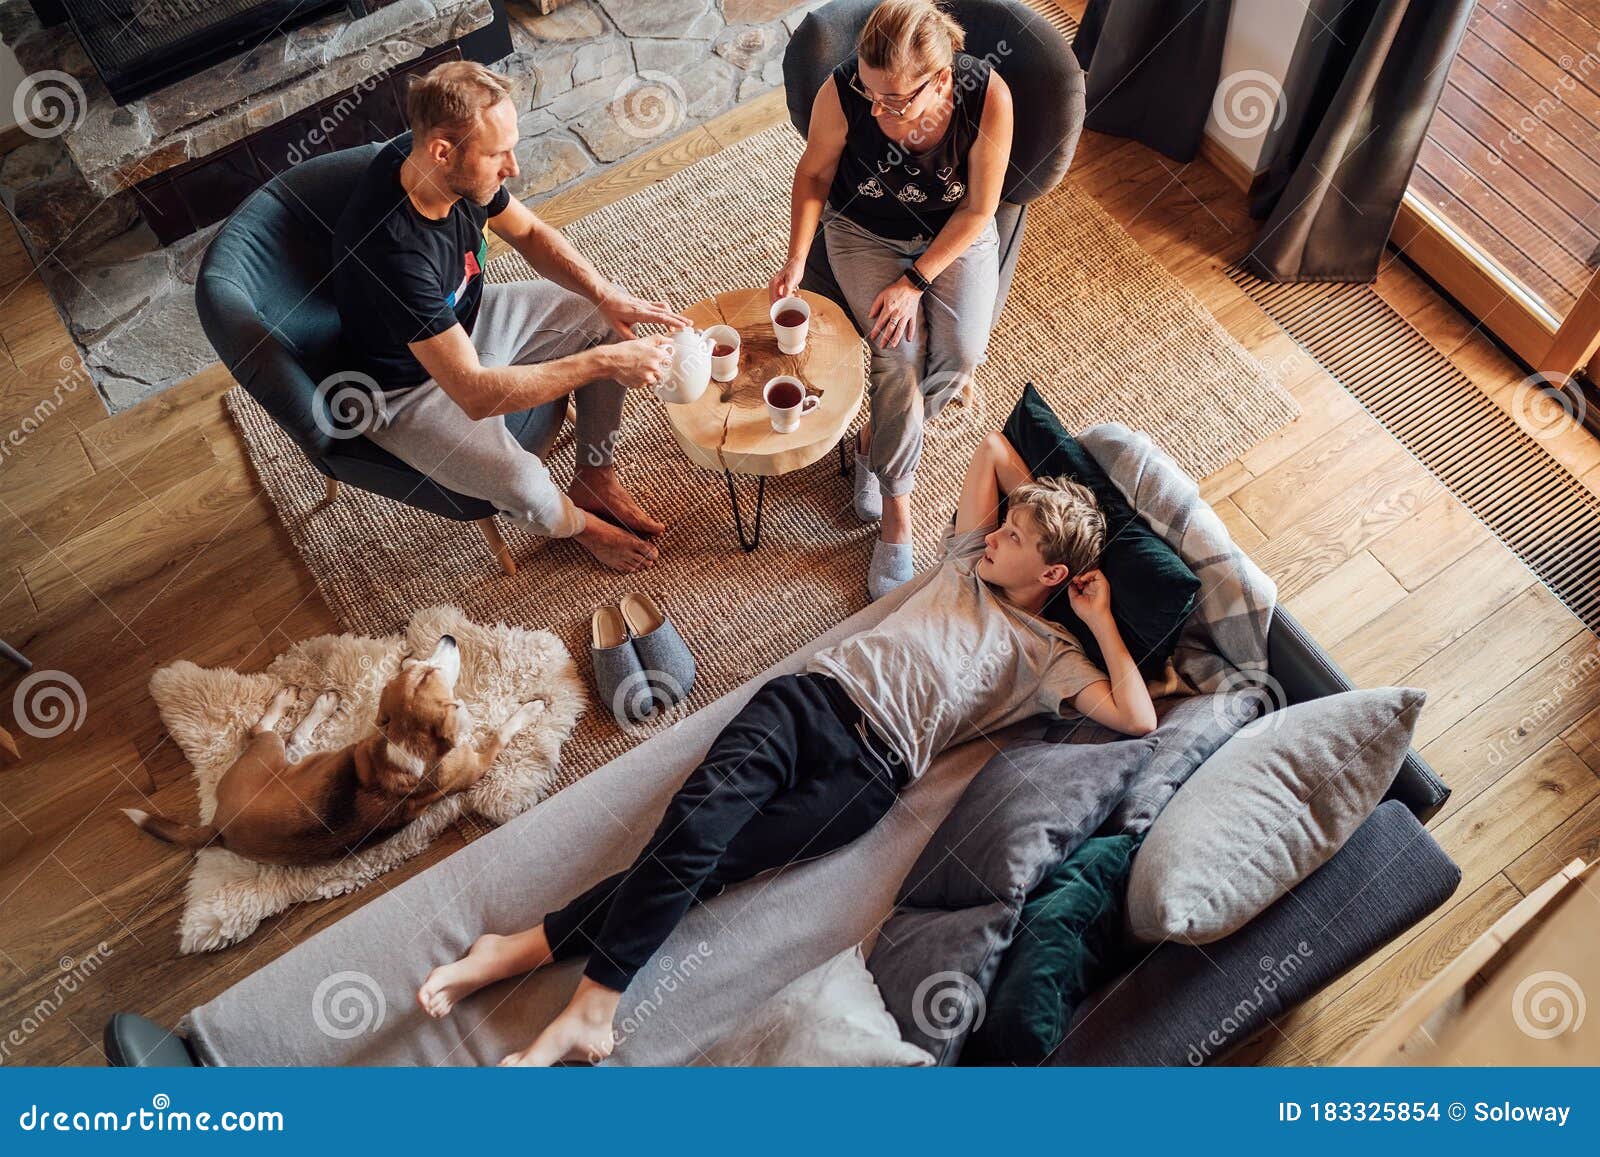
x: 1272, y: 805
x: 1027, y: 810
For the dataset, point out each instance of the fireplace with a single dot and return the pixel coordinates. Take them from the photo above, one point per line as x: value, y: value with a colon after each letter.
x: 138, y: 46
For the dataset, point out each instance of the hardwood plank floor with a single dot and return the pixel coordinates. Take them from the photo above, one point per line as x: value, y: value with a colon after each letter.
x: 140, y: 539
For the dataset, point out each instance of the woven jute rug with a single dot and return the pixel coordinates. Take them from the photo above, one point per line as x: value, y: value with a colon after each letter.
x: 1102, y: 329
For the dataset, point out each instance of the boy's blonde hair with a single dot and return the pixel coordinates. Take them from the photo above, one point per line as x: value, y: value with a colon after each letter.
x: 907, y: 37
x: 449, y: 98
x: 1071, y: 528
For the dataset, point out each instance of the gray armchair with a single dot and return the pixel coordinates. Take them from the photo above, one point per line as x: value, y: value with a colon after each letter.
x: 1046, y: 83
x: 266, y: 304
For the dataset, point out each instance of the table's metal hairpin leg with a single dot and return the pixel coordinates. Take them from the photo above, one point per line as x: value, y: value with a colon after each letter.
x: 738, y: 519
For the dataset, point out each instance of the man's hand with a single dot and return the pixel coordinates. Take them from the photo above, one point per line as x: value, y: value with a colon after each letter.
x: 786, y: 280
x: 896, y: 312
x: 639, y: 364
x: 624, y: 310
x: 1090, y: 597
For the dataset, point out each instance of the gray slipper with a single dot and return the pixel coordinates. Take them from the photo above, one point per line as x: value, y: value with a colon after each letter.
x: 869, y: 497
x: 890, y: 567
x: 663, y: 654
x: 618, y: 674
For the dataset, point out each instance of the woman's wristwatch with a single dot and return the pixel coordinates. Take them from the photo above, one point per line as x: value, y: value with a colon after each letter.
x: 914, y: 276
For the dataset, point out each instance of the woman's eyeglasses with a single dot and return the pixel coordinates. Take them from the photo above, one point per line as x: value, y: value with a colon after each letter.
x: 895, y: 108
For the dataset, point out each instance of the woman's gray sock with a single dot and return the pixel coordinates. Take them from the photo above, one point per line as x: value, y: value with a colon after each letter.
x: 869, y: 499
x: 891, y: 566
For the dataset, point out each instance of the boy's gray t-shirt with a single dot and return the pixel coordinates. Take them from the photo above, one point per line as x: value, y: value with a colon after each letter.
x: 956, y: 661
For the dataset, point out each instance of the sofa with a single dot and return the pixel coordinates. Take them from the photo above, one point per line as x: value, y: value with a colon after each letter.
x: 345, y: 996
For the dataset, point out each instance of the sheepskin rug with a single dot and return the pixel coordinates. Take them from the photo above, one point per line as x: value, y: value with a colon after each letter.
x: 209, y: 714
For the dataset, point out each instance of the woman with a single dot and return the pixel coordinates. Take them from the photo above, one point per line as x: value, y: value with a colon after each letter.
x: 908, y: 148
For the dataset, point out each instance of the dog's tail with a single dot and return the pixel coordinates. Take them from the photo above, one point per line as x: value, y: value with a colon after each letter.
x: 188, y: 835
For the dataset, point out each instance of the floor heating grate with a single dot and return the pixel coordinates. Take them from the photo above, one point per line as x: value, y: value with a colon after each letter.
x: 1531, y: 502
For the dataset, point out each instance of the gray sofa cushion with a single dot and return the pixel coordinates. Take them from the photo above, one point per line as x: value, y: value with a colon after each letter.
x: 1268, y: 809
x: 1031, y: 805
x: 1186, y: 1005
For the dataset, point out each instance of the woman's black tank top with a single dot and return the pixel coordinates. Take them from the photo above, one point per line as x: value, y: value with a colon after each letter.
x: 899, y: 194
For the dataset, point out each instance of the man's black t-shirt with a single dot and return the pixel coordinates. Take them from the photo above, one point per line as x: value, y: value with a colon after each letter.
x: 399, y: 277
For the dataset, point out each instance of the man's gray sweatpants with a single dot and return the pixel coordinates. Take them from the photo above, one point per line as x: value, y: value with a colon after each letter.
x: 912, y: 380
x: 518, y: 324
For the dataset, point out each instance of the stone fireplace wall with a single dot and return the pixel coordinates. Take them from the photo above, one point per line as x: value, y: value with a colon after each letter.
x: 596, y: 82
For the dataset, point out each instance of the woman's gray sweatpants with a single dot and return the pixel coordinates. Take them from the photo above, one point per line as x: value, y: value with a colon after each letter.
x: 518, y: 324
x: 912, y: 380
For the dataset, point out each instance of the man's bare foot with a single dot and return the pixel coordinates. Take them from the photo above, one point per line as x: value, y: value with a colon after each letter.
x: 490, y: 958
x: 598, y: 490
x: 614, y: 547
x: 582, y: 1031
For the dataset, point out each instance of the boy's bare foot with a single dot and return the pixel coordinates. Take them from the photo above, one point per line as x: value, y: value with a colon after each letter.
x: 582, y: 1031
x: 598, y: 490
x: 614, y: 547
x: 490, y: 958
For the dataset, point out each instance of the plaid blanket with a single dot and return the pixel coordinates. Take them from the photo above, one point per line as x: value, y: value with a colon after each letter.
x: 1223, y: 647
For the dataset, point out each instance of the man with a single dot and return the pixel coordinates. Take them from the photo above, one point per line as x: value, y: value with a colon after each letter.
x: 453, y: 356
x: 813, y: 761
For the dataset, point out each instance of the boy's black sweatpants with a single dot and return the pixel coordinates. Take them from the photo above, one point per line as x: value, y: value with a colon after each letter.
x: 795, y: 775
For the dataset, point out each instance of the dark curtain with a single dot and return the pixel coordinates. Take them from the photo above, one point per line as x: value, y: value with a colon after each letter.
x: 1153, y: 67
x: 1361, y: 90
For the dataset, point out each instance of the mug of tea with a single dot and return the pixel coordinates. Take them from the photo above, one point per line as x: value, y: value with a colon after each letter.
x: 724, y: 352
x: 787, y: 400
x: 791, y: 319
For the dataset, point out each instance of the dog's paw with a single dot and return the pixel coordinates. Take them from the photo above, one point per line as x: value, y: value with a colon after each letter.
x: 326, y: 703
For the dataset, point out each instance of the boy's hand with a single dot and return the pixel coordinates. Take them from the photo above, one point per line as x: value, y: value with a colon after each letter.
x: 1089, y: 594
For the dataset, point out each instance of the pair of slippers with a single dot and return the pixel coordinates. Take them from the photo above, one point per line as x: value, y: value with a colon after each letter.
x: 642, y: 666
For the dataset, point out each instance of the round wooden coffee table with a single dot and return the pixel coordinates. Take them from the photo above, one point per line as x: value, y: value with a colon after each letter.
x: 727, y: 427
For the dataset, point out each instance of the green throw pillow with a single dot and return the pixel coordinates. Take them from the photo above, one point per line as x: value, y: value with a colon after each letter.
x: 1067, y: 945
x: 1152, y: 590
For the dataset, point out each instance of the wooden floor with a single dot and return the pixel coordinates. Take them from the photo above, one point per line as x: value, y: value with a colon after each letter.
x: 1512, y: 157
x: 137, y: 540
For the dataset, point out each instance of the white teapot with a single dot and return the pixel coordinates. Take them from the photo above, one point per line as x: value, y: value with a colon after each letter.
x: 690, y: 372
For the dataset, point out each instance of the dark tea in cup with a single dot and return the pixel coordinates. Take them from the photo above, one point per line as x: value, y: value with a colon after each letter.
x: 784, y: 394
x: 722, y: 349
x: 790, y: 318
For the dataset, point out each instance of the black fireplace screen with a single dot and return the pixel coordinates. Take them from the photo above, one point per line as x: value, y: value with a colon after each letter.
x: 138, y: 46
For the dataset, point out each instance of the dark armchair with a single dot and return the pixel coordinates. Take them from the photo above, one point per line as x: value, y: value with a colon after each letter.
x: 1047, y: 87
x: 266, y: 303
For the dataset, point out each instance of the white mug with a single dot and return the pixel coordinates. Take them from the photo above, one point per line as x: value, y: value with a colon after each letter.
x: 725, y: 368
x: 791, y: 338
x: 786, y: 419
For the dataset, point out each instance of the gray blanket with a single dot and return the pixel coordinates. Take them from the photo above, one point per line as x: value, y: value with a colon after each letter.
x: 1223, y: 646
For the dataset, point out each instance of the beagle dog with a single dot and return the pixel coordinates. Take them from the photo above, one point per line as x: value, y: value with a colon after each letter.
x: 277, y: 806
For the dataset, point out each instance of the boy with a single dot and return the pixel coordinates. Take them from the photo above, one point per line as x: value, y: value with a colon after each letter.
x: 815, y: 760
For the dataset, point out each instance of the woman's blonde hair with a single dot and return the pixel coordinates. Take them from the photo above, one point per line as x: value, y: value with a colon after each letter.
x: 907, y: 37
